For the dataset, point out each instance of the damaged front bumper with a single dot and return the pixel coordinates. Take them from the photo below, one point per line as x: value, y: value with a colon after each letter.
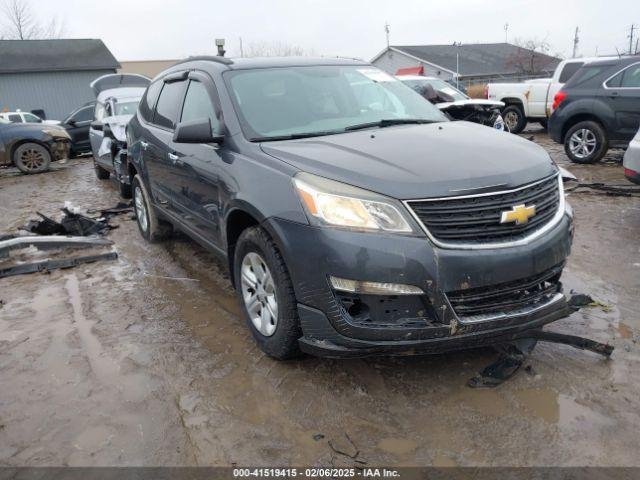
x: 471, y: 298
x: 60, y: 148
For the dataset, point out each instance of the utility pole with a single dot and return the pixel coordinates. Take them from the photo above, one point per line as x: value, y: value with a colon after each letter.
x: 386, y: 30
x: 457, y: 45
x: 633, y: 27
x: 506, y: 32
x: 241, y: 52
x: 575, y: 43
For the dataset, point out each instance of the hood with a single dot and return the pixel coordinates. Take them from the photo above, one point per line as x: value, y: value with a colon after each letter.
x: 33, y: 127
x: 419, y: 161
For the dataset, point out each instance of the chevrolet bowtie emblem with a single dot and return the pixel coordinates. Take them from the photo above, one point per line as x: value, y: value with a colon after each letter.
x: 519, y: 214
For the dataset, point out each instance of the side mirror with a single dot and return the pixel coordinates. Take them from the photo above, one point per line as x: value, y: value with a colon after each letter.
x: 71, y: 123
x: 97, y: 125
x: 196, y: 131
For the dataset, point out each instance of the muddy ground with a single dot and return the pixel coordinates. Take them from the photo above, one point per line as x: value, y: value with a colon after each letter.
x: 146, y: 361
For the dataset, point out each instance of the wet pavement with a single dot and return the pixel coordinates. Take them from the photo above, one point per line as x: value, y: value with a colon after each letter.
x: 146, y: 361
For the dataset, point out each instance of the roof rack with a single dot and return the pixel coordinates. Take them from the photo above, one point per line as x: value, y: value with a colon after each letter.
x: 208, y: 58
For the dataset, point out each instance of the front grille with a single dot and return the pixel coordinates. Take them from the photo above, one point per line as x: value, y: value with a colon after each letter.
x: 476, y: 219
x: 507, y: 297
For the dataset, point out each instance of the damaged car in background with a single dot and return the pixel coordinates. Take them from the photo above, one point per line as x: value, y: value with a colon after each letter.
x: 117, y: 98
x: 32, y: 146
x: 455, y: 104
x: 425, y: 235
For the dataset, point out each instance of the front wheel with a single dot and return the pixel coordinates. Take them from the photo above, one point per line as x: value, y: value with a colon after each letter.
x: 586, y: 142
x: 266, y: 294
x: 32, y: 158
x: 514, y: 118
x: 151, y: 227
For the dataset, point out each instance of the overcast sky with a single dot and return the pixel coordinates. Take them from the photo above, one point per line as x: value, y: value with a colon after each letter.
x: 163, y: 29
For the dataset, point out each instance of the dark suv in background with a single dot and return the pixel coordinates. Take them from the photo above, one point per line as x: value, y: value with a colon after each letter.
x: 355, y: 219
x: 598, y: 108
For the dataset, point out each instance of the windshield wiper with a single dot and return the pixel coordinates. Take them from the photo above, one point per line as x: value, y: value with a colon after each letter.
x: 388, y: 122
x: 293, y: 136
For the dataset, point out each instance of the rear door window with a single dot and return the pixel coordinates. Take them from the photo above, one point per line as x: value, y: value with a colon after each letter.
x: 568, y: 71
x: 631, y: 77
x: 149, y: 100
x: 15, y: 118
x: 169, y: 105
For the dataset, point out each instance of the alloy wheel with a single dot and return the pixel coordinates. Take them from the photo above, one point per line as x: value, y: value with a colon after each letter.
x: 141, y: 209
x: 582, y: 143
x: 511, y: 120
x: 32, y: 159
x: 259, y: 293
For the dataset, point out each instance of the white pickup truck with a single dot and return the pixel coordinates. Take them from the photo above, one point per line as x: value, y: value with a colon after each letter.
x: 532, y: 100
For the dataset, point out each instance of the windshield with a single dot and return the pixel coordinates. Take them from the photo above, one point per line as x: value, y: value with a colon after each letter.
x: 277, y: 102
x: 127, y: 107
x: 438, y: 86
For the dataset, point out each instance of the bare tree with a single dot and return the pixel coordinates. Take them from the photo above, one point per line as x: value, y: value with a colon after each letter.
x: 275, y: 49
x: 532, y: 56
x: 20, y: 23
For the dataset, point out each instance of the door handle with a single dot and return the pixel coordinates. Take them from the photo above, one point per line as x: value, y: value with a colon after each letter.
x: 144, y: 145
x: 614, y: 95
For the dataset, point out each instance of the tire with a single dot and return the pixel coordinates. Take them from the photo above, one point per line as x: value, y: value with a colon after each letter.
x: 151, y: 227
x: 101, y: 173
x: 256, y: 252
x: 514, y: 118
x: 594, y: 146
x: 32, y: 158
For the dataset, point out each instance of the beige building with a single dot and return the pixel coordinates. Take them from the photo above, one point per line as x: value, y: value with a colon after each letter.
x: 149, y: 68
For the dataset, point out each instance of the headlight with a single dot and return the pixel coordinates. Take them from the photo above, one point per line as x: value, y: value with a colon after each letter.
x: 328, y: 202
x: 54, y: 132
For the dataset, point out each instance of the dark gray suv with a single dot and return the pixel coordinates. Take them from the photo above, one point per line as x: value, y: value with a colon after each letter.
x: 355, y: 219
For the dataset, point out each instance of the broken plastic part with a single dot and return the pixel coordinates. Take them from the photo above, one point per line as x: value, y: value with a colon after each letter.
x: 49, y: 241
x: 49, y: 265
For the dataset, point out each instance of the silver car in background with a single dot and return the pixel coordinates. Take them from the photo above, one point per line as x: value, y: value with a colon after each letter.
x: 631, y: 160
x: 117, y: 98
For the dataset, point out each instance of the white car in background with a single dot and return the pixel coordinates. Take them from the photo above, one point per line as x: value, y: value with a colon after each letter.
x: 631, y: 162
x: 26, y: 117
x: 117, y: 99
x: 532, y: 100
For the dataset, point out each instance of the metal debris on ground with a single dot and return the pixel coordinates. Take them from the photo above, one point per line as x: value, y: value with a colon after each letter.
x: 119, y: 209
x: 71, y: 224
x: 48, y: 265
x: 579, y: 300
x: 46, y: 242
x: 606, y: 189
x: 510, y: 359
x: 74, y: 223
